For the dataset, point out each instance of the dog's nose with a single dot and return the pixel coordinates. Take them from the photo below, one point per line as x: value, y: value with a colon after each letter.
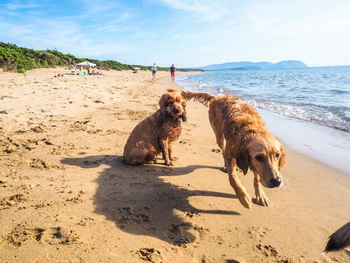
x: 176, y: 111
x: 276, y: 182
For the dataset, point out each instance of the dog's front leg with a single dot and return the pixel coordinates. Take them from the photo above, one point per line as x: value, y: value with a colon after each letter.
x: 261, y: 197
x: 171, y: 157
x: 236, y: 184
x: 165, y: 152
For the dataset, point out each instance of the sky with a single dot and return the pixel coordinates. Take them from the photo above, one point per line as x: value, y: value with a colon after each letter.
x: 187, y: 33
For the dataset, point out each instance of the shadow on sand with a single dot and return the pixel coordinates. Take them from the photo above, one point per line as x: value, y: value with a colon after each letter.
x: 139, y: 202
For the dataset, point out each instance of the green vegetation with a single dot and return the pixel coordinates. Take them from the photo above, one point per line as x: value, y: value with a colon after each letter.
x: 20, y: 59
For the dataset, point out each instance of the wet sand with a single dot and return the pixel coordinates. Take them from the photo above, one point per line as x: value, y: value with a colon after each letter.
x: 327, y: 145
x: 66, y: 196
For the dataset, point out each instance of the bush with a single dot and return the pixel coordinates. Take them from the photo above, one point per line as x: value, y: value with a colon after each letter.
x: 20, y: 59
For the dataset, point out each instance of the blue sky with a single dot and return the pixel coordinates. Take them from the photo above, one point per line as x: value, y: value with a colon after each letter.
x: 184, y: 32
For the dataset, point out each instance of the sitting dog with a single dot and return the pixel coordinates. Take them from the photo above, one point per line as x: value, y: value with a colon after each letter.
x: 244, y: 141
x: 155, y: 134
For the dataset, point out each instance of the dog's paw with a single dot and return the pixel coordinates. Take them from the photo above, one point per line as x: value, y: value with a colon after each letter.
x: 174, y: 158
x: 245, y: 200
x: 263, y: 200
x: 169, y: 163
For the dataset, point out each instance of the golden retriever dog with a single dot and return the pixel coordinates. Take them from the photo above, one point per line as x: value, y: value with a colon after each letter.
x: 155, y: 134
x: 244, y: 141
x: 339, y: 239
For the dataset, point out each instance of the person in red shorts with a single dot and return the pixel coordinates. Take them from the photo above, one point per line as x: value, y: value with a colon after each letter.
x: 172, y: 72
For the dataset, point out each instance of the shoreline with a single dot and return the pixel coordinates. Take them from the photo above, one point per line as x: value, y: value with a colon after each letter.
x: 66, y: 195
x: 328, y: 145
x: 324, y: 144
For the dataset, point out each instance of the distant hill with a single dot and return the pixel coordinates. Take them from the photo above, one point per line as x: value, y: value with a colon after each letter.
x: 247, y: 65
x: 289, y: 64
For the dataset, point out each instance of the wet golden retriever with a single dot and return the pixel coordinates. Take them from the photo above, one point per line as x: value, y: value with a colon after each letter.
x: 155, y: 134
x: 244, y: 141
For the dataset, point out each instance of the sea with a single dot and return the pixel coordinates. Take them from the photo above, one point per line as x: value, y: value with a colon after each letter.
x: 307, y: 108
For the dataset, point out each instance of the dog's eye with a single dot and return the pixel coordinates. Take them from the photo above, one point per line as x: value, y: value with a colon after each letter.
x: 259, y: 158
x: 277, y: 155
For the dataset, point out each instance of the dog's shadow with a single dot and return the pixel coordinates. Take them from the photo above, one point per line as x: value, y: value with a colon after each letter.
x: 138, y: 201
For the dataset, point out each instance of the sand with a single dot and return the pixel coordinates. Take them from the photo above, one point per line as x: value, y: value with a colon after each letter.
x: 66, y: 196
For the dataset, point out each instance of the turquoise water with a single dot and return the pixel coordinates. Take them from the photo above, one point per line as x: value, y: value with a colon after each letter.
x: 319, y: 95
x: 309, y: 109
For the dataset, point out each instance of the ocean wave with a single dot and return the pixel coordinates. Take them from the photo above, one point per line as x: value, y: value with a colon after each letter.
x: 314, y: 95
x: 306, y: 113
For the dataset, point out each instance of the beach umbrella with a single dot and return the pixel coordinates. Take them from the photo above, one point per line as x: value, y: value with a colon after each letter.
x: 86, y: 63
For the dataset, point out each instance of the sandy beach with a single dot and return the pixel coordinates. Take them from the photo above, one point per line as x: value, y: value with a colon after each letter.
x: 66, y: 196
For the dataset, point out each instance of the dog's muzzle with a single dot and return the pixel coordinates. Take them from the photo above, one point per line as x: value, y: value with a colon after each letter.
x: 276, y: 182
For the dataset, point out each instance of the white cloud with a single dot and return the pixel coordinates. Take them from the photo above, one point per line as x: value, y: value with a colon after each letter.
x: 106, y: 7
x: 207, y: 9
x: 187, y: 32
x: 116, y: 25
x: 15, y: 5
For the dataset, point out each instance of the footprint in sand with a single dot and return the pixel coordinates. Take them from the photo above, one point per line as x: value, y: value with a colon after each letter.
x: 150, y: 254
x: 53, y: 236
x: 185, y: 233
x: 7, y: 202
x: 43, y: 165
x: 271, y: 252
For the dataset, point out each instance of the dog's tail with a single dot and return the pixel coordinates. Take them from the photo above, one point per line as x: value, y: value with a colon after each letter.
x: 339, y: 239
x: 202, y: 97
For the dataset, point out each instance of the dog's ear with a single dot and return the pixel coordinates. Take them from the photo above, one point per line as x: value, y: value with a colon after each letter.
x: 163, y: 100
x: 184, y: 115
x: 242, y: 161
x: 161, y: 115
x: 282, y: 160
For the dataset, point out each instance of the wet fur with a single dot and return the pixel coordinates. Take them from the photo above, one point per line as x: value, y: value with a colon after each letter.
x: 155, y: 134
x: 244, y: 139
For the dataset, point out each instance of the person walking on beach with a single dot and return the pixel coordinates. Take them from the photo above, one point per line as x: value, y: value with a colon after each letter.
x: 172, y: 72
x: 154, y: 70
